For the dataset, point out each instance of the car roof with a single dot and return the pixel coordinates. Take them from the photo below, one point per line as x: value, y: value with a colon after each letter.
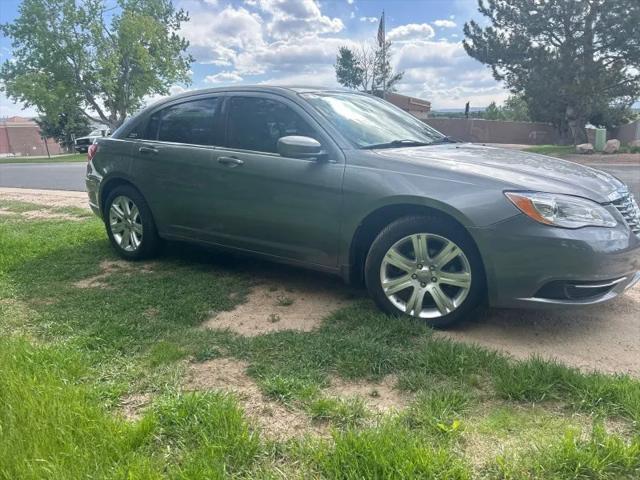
x: 278, y: 89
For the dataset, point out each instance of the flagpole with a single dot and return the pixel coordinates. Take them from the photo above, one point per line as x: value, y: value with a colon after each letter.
x: 384, y: 55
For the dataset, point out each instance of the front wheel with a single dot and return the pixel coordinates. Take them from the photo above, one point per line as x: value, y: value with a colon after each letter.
x: 427, y: 268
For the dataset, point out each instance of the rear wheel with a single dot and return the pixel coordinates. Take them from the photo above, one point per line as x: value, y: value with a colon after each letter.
x: 130, y: 225
x: 427, y: 268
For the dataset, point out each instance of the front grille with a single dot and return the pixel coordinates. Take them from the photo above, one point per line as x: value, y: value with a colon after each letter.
x: 629, y: 209
x: 84, y: 141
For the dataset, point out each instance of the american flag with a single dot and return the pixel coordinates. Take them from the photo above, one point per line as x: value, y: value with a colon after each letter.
x: 381, y: 31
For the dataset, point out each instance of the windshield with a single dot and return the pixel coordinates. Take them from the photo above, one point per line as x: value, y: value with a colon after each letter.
x: 369, y: 122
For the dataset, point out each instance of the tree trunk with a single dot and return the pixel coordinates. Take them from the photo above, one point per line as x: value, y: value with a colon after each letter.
x: 576, y: 124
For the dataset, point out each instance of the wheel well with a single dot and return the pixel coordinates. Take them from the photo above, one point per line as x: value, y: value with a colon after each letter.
x: 108, y: 188
x: 373, y: 224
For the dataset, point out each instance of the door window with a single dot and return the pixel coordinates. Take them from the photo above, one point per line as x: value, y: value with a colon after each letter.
x: 257, y: 123
x: 189, y: 122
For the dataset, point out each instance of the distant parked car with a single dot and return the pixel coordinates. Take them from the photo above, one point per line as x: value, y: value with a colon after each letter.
x: 82, y: 143
x: 347, y: 183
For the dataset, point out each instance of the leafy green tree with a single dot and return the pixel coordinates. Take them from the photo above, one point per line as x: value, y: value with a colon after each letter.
x: 571, y: 60
x: 515, y: 109
x: 103, y: 60
x: 64, y: 127
x: 349, y: 70
x: 492, y: 112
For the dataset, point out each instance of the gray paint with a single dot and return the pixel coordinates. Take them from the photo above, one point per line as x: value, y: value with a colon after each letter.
x: 307, y: 212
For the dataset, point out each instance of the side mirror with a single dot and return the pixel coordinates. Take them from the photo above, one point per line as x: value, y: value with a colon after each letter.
x: 294, y: 146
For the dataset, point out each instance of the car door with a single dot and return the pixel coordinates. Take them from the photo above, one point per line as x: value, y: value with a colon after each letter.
x: 286, y: 207
x: 173, y: 162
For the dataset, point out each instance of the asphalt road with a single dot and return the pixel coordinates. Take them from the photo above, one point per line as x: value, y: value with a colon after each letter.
x: 49, y: 176
x: 70, y: 176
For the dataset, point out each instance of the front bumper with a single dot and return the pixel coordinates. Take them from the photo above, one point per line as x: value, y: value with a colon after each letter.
x: 533, y: 265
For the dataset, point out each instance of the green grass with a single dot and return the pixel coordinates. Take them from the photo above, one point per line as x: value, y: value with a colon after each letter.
x: 76, y: 157
x: 69, y: 355
x: 552, y: 150
x: 574, y: 457
x: 387, y: 451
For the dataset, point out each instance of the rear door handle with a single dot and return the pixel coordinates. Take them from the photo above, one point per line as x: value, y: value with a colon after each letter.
x: 230, y: 161
x: 146, y: 149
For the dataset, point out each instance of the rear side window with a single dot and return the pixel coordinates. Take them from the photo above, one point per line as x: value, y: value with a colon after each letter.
x: 257, y: 124
x: 189, y: 122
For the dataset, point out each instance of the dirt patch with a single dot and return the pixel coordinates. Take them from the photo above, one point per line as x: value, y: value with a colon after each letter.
x: 108, y: 268
x: 297, y: 302
x: 379, y: 396
x: 48, y: 198
x: 43, y: 214
x: 275, y: 420
x: 600, y: 337
x: 630, y: 158
x: 132, y: 406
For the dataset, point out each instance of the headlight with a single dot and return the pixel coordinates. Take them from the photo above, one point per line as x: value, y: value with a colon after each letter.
x: 561, y: 210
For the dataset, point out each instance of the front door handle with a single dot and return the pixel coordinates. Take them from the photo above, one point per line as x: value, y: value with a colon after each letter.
x: 145, y: 149
x: 230, y: 161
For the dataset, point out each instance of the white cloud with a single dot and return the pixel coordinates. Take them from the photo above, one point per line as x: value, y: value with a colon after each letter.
x: 291, y: 42
x: 215, y: 35
x: 445, y: 23
x: 288, y: 56
x: 350, y: 2
x: 223, y: 77
x: 411, y: 32
x: 321, y: 76
x: 290, y: 18
x: 442, y: 72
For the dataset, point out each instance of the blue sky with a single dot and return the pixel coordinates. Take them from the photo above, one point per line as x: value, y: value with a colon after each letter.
x: 296, y: 41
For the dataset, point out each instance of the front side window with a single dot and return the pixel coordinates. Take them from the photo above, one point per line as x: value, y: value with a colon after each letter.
x: 189, y: 122
x: 367, y: 121
x: 257, y: 124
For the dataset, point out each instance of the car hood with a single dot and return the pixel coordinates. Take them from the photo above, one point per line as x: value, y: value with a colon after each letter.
x: 519, y: 170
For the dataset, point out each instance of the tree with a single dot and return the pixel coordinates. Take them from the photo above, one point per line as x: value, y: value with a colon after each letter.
x: 102, y: 60
x: 385, y: 78
x: 571, y: 60
x: 349, y: 71
x: 64, y: 127
x: 492, y: 112
x: 368, y: 70
x: 514, y: 109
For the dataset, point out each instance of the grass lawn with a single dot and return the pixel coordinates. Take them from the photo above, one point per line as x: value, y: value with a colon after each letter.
x: 81, y: 334
x: 76, y: 157
x: 552, y: 150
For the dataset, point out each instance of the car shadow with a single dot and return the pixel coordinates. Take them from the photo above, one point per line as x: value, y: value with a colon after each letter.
x: 599, y: 337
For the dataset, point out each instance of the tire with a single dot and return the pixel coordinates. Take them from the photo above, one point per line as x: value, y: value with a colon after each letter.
x: 142, y: 240
x: 414, y: 284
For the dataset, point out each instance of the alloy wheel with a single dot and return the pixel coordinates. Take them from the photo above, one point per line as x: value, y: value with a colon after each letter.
x: 425, y: 275
x: 125, y: 223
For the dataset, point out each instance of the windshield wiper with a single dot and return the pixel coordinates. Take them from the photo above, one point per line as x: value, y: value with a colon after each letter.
x: 444, y: 139
x: 396, y: 143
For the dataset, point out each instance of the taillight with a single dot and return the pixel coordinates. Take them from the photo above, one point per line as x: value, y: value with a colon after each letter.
x: 91, y: 151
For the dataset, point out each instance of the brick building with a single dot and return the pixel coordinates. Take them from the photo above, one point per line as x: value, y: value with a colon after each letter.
x: 415, y: 106
x: 21, y: 137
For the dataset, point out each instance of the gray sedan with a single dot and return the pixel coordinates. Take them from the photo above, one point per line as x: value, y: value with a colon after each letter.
x: 346, y: 183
